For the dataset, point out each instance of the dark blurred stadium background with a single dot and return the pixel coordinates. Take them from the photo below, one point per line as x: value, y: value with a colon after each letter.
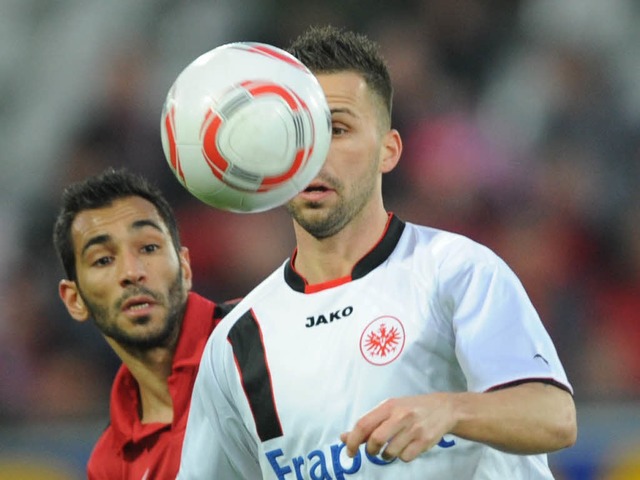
x: 521, y: 121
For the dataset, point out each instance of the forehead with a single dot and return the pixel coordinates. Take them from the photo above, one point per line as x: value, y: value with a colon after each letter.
x: 348, y: 88
x: 117, y: 217
x: 349, y: 92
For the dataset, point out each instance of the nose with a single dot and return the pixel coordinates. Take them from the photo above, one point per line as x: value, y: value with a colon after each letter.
x: 133, y: 270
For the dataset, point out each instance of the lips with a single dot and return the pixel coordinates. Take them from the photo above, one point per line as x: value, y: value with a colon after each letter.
x: 316, y: 187
x: 316, y: 192
x: 138, y: 303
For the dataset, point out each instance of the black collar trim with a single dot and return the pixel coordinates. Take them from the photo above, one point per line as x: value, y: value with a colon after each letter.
x: 378, y: 254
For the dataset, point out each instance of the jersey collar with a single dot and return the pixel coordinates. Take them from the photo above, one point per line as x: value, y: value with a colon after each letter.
x: 372, y: 259
x: 198, y: 323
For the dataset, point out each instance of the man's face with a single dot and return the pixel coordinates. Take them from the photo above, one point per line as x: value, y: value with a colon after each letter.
x: 350, y: 179
x: 129, y: 277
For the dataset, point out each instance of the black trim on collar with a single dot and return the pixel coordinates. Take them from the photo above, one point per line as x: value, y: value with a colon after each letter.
x: 378, y: 254
x: 381, y: 251
x: 293, y: 279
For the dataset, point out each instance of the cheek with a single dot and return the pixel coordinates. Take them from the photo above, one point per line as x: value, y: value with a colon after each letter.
x: 100, y: 284
x: 94, y: 287
x: 354, y: 150
x: 166, y: 270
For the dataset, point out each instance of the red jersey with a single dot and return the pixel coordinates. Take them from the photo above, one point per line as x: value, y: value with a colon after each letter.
x: 130, y: 450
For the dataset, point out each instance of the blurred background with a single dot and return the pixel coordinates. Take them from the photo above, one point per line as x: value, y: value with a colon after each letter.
x: 521, y: 122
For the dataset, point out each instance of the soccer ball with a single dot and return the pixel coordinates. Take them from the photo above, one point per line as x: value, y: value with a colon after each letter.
x: 245, y: 127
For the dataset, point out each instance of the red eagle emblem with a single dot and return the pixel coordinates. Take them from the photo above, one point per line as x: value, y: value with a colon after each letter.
x: 382, y: 341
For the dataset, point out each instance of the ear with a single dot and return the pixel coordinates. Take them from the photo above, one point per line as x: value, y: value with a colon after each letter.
x: 390, y: 151
x: 70, y: 295
x: 185, y: 263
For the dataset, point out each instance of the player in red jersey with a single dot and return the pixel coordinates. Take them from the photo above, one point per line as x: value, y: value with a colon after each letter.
x: 118, y: 241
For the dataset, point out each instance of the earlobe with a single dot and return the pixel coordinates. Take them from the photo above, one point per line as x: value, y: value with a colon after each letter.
x: 391, y: 150
x: 70, y: 296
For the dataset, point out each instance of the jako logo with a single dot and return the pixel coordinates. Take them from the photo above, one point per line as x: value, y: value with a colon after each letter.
x: 322, y: 465
x: 323, y: 319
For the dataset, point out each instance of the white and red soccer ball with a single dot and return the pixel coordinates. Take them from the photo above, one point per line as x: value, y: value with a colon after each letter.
x: 245, y: 127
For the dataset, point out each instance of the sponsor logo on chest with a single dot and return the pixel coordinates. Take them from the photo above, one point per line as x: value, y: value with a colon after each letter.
x: 381, y: 341
x: 328, y: 463
x: 328, y: 317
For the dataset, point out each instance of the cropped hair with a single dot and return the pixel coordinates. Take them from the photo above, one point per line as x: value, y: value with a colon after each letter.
x: 328, y: 49
x: 101, y: 191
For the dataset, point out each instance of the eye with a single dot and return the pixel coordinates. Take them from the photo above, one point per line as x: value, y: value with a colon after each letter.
x: 338, y: 130
x: 150, y: 248
x: 102, y: 261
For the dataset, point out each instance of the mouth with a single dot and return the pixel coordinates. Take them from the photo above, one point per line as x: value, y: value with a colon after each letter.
x: 317, y: 191
x: 139, y: 304
x: 316, y: 187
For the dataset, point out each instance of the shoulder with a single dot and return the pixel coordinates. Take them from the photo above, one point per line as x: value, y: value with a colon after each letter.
x: 103, y: 459
x: 449, y: 263
x: 234, y: 310
x: 201, y: 307
x: 443, y: 248
x: 222, y: 309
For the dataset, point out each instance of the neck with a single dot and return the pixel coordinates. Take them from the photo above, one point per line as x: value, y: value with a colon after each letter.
x: 151, y: 369
x: 325, y: 259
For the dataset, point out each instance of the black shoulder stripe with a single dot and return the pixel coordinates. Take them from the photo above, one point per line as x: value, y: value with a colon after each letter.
x: 222, y: 309
x: 246, y: 341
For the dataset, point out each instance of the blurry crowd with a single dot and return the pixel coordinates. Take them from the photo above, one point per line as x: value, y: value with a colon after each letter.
x: 521, y: 128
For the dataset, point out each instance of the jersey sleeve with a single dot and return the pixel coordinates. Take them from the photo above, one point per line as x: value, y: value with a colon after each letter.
x: 216, y: 443
x: 499, y: 337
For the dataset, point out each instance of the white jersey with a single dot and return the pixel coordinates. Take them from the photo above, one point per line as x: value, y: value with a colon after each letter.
x: 294, y: 365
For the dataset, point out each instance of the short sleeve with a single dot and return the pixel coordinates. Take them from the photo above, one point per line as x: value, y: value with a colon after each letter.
x: 499, y: 337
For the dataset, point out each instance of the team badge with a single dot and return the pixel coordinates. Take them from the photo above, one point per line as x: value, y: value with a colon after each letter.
x: 382, y: 341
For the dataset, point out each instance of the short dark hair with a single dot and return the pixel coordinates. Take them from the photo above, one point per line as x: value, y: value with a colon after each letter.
x: 101, y: 191
x: 329, y: 49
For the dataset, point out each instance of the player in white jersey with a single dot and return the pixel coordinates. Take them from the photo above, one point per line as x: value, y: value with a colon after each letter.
x: 381, y: 349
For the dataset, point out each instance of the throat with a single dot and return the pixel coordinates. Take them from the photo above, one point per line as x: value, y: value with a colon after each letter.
x: 155, y: 409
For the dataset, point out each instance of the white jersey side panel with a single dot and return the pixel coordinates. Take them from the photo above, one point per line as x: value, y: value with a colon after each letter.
x: 286, y: 372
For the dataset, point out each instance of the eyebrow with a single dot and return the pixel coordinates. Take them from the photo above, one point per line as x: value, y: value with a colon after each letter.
x: 348, y: 111
x: 102, y: 239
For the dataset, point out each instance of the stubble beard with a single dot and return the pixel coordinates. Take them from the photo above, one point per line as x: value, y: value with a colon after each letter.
x: 322, y: 222
x: 104, y: 318
x: 317, y: 223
